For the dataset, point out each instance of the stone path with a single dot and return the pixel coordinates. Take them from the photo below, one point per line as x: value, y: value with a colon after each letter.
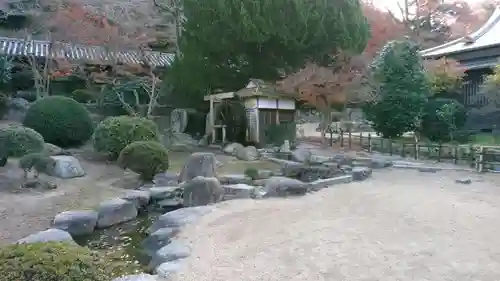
x: 399, y: 225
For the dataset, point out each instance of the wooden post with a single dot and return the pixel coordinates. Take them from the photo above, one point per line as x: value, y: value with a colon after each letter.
x: 480, y: 162
x: 369, y: 142
x: 341, y: 137
x: 455, y: 154
x: 402, y: 149
x: 212, y: 118
x: 350, y: 139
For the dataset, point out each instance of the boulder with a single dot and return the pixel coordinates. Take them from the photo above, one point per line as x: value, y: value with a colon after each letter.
x: 301, y: 155
x: 232, y: 148
x: 167, y: 269
x: 115, y: 211
x: 52, y: 150
x: 285, y: 147
x: 178, y: 120
x: 233, y: 179
x: 265, y: 174
x: 175, y: 250
x: 49, y: 235
x: 79, y: 222
x: 17, y: 108
x: 248, y: 153
x: 464, y: 181
x: 199, y: 164
x: 157, y: 240
x: 202, y: 191
x: 38, y: 184
x: 309, y: 173
x: 179, y: 218
x: 140, y: 198
x: 66, y: 167
x: 361, y: 173
x: 165, y: 192
x: 139, y: 277
x: 283, y: 186
x: 169, y: 204
x: 166, y: 179
x: 238, y: 191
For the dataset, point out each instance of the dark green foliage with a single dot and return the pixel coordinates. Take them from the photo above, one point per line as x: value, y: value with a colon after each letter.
x: 40, y: 162
x: 442, y: 118
x: 56, y: 261
x: 233, y: 115
x: 276, y: 134
x: 227, y: 42
x: 20, y: 140
x: 114, y: 133
x: 196, y: 123
x: 147, y: 158
x: 60, y: 120
x: 82, y: 95
x: 403, y: 90
x: 4, y: 104
x: 252, y: 173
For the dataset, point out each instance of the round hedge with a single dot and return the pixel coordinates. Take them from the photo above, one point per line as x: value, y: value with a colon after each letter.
x: 147, y: 158
x: 20, y: 140
x: 53, y: 261
x: 113, y: 134
x: 60, y: 120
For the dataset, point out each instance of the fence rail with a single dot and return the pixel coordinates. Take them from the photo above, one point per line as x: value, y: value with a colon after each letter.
x: 482, y: 158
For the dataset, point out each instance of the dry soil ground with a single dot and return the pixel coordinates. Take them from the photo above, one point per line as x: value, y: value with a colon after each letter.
x: 399, y: 225
x: 24, y: 212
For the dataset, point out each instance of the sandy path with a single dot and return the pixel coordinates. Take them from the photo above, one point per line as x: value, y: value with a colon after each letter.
x: 401, y: 225
x: 24, y: 213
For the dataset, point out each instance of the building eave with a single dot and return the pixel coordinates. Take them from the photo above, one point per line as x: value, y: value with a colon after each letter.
x: 471, y: 42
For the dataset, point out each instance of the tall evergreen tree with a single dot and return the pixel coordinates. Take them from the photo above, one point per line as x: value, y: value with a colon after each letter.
x: 241, y: 39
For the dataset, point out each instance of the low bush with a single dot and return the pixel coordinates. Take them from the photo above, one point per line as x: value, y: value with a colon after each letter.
x: 252, y: 173
x: 40, y: 162
x: 442, y: 119
x: 113, y: 134
x: 147, y: 158
x: 19, y: 141
x: 60, y: 120
x: 56, y: 261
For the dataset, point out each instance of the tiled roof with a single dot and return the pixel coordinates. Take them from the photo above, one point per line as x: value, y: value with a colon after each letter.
x: 486, y: 36
x: 38, y: 48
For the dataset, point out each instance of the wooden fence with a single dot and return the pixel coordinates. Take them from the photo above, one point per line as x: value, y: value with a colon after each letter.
x: 482, y: 158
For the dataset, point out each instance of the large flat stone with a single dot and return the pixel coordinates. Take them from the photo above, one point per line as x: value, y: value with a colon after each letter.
x: 78, y: 222
x: 115, y: 211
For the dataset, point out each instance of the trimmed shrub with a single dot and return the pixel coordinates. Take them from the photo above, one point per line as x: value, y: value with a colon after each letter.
x: 113, y: 134
x: 56, y: 261
x: 40, y: 162
x: 60, y: 120
x: 252, y: 173
x: 147, y: 158
x: 20, y: 140
x: 443, y: 118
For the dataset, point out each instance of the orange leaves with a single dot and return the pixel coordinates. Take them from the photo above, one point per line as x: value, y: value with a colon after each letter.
x: 384, y: 28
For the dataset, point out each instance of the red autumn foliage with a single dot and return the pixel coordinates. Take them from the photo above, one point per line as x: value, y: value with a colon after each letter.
x: 384, y: 28
x: 322, y: 87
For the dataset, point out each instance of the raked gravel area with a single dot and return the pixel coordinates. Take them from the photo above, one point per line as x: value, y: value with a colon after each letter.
x: 398, y: 225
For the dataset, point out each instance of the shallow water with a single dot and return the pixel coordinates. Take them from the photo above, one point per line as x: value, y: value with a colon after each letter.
x: 123, y: 241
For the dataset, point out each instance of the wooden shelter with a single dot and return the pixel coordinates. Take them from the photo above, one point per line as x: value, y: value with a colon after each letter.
x: 264, y: 106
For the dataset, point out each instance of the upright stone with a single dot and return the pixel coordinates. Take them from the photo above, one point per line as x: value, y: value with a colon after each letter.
x: 202, y: 191
x: 178, y: 120
x: 199, y: 164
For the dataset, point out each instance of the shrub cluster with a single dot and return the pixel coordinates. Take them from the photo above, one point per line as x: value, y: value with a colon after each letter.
x: 54, y: 261
x: 60, y: 120
x: 147, y: 158
x: 113, y: 134
x: 19, y: 141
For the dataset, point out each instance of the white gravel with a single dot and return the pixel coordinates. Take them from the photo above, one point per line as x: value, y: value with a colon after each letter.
x: 400, y: 225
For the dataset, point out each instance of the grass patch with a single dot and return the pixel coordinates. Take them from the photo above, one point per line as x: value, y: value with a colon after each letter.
x: 485, y: 139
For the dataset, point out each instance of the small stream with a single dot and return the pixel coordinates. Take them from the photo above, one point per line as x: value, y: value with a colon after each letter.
x: 123, y: 241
